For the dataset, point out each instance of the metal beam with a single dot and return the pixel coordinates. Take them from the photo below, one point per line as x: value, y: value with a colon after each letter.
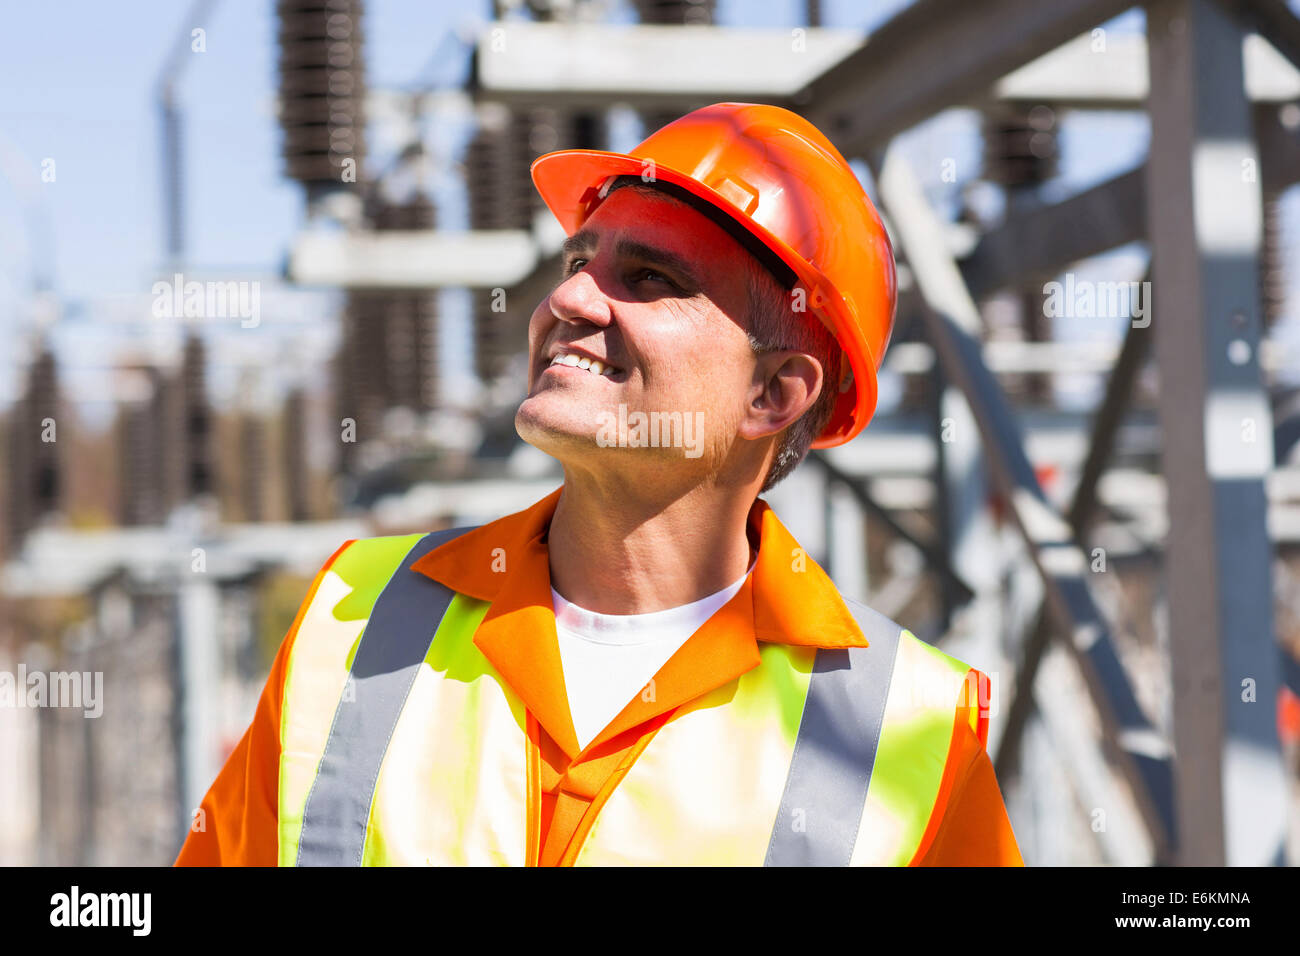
x: 1034, y: 245
x: 1279, y: 149
x: 1204, y: 210
x: 1119, y: 833
x: 935, y: 557
x: 945, y: 508
x: 952, y: 319
x: 1273, y: 20
x: 1037, y: 243
x: 1291, y: 672
x: 1286, y: 427
x: 936, y: 54
x: 1106, y: 423
x: 588, y: 65
x: 1083, y: 506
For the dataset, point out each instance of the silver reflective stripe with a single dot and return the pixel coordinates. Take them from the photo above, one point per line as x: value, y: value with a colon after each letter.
x: 830, y: 771
x: 395, y: 641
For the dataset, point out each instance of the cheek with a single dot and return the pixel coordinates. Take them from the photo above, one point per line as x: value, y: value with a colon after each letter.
x: 702, y: 373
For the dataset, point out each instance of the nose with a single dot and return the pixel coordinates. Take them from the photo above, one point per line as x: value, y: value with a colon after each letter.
x: 579, y: 300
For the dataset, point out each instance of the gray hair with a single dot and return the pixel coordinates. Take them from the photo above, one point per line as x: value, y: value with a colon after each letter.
x: 774, y: 325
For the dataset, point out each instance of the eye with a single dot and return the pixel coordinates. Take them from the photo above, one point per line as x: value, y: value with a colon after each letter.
x: 650, y: 273
x: 573, y: 265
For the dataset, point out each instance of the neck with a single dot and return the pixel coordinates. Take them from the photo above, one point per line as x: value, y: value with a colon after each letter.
x: 632, y: 547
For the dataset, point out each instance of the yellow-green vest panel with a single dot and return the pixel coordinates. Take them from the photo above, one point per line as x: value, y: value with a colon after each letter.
x: 451, y: 788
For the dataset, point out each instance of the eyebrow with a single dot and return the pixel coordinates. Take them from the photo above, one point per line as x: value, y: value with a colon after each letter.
x: 584, y: 241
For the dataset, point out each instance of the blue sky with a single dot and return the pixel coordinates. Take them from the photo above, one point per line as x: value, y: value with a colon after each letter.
x: 77, y: 86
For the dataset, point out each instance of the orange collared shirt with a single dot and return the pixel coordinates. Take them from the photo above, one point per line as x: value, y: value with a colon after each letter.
x: 786, y: 599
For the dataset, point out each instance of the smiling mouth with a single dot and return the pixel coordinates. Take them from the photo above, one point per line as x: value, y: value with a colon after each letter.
x: 586, y: 364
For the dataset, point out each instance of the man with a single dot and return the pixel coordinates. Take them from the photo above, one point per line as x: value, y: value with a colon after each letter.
x: 644, y: 667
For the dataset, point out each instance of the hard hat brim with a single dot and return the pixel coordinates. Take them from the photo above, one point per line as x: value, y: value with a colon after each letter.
x: 571, y: 183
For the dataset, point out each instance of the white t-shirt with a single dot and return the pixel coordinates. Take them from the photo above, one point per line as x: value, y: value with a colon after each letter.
x: 609, y: 658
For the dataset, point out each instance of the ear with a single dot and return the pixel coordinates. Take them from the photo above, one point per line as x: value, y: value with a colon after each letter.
x: 786, y: 384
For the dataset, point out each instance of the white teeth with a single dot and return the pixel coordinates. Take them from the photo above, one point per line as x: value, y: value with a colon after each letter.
x: 591, y: 365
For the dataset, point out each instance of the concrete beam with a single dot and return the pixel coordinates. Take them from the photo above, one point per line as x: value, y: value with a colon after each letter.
x: 1110, y: 72
x: 590, y: 65
x: 413, y: 260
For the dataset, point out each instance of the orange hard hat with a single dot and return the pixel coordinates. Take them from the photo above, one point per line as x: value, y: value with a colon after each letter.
x: 779, y: 187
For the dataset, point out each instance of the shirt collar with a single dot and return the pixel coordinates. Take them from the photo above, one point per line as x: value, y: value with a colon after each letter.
x: 787, y: 599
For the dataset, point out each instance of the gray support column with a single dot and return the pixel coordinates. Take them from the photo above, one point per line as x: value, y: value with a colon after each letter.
x: 198, y: 605
x: 1203, y: 210
x: 974, y: 549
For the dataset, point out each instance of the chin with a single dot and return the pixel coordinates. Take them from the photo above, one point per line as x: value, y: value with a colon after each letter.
x: 549, y: 432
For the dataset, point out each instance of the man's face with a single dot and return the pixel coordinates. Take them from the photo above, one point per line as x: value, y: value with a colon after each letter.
x: 655, y: 292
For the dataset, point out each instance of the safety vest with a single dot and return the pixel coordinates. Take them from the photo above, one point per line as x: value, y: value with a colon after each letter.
x: 401, y: 744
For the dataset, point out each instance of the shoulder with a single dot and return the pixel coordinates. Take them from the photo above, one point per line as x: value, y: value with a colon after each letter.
x: 370, y: 562
x: 387, y: 550
x: 925, y: 678
x: 345, y: 589
x: 872, y: 622
x: 919, y: 659
x: 349, y: 584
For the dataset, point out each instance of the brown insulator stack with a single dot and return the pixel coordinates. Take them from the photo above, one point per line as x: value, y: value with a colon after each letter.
x: 196, y: 414
x: 169, y: 416
x: 322, y: 91
x: 35, y: 483
x: 253, y: 473
x: 141, y: 460
x: 294, y: 449
x: 672, y: 13
x: 1021, y: 153
x: 344, y: 392
x: 676, y: 12
x: 388, y: 354
x: 411, y: 322
x: 1020, y: 146
x: 166, y: 440
x: 1272, y: 262
x: 502, y: 196
x: 496, y: 181
x: 362, y: 367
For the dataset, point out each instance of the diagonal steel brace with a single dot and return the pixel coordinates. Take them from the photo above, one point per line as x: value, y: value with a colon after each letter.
x: 952, y: 321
